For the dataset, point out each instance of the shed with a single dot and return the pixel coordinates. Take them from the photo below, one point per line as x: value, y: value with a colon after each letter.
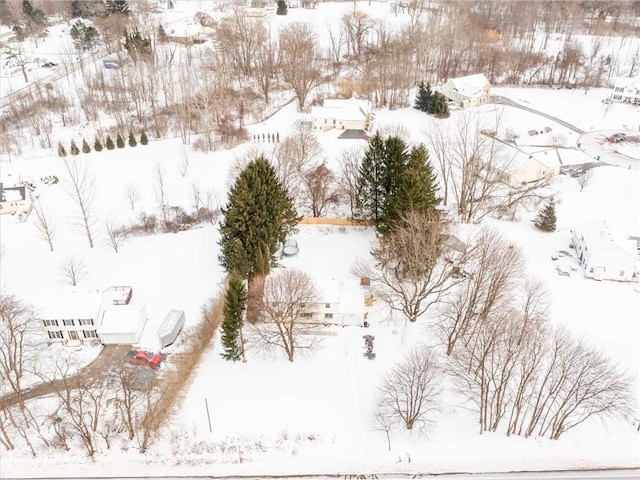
x: 171, y: 327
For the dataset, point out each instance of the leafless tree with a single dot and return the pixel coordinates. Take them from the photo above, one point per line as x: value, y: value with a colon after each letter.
x: 81, y: 189
x: 409, y: 394
x: 161, y: 194
x: 115, y: 235
x: 438, y: 141
x: 73, y: 270
x: 266, y: 65
x: 321, y: 188
x: 129, y: 398
x: 44, y: 223
x: 383, y: 421
x: 16, y: 329
x: 131, y: 194
x: 584, y: 178
x: 356, y: 26
x: 348, y: 176
x: 493, y: 269
x: 414, y: 268
x: 287, y: 295
x: 300, y: 62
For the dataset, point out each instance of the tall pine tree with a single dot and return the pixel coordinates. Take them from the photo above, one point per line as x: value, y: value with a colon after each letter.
x: 258, y: 216
x: 546, y: 219
x: 234, y: 305
x: 423, y: 97
x: 371, y: 195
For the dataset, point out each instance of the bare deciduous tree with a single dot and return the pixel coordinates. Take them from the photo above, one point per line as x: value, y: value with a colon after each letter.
x: 413, y: 266
x: 130, y: 396
x: 584, y: 178
x: 348, y: 176
x: 287, y: 295
x: 320, y: 184
x: 161, y: 195
x: 82, y: 190
x: 131, y: 194
x: 44, y: 223
x: 409, y: 393
x: 73, y: 270
x: 115, y: 235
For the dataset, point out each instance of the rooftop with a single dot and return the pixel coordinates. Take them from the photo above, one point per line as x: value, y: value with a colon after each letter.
x: 599, y: 236
x: 68, y: 305
x: 471, y: 85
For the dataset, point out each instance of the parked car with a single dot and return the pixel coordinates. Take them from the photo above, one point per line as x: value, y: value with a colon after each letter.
x: 49, y: 65
x: 616, y: 137
x: 143, y: 357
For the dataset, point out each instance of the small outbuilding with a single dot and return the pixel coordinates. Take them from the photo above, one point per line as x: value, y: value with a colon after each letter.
x: 170, y: 327
x: 121, y: 319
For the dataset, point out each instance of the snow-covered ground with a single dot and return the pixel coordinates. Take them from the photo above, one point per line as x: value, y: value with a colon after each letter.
x: 270, y: 416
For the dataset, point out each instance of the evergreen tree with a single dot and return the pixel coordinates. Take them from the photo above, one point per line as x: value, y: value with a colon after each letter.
x: 109, y: 143
x: 282, y: 8
x: 85, y: 146
x: 62, y: 152
x: 132, y: 140
x: 546, y: 219
x: 86, y: 8
x: 423, y: 97
x: 97, y: 146
x: 74, y: 148
x: 371, y: 194
x: 162, y: 35
x: 137, y: 46
x: 438, y: 105
x: 258, y: 216
x: 117, y: 7
x: 83, y: 35
x: 143, y: 138
x: 234, y: 305
x: 119, y: 141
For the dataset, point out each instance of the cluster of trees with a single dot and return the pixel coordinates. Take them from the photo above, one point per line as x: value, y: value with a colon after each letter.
x: 431, y: 102
x: 98, y: 146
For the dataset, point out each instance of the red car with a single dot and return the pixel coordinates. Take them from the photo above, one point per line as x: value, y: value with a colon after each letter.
x: 142, y: 357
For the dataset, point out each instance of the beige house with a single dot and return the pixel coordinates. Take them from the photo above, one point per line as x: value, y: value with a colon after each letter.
x: 343, y: 114
x: 517, y: 167
x: 469, y: 91
x: 626, y: 90
x: 14, y: 200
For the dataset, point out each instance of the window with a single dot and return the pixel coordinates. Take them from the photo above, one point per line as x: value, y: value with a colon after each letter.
x: 85, y: 321
x: 50, y: 323
x: 622, y: 273
x: 90, y: 334
x: 619, y: 89
x: 591, y: 270
x: 328, y: 315
x: 327, y: 305
x: 307, y: 315
x: 67, y: 322
x: 55, y: 334
x: 617, y: 97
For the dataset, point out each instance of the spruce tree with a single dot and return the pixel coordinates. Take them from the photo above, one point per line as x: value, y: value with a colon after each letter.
x: 74, y: 148
x: 282, y: 8
x: 119, y: 141
x: 438, y: 105
x: 143, y: 138
x: 109, y: 143
x: 258, y: 216
x: 85, y: 146
x: 371, y: 194
x: 546, y: 219
x: 132, y: 140
x: 97, y: 145
x: 423, y: 97
x: 234, y: 305
x: 62, y: 152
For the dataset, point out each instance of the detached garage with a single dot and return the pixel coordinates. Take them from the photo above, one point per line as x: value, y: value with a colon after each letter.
x: 120, y: 320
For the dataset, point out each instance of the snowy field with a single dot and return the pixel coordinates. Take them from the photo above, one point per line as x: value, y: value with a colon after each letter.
x: 270, y: 416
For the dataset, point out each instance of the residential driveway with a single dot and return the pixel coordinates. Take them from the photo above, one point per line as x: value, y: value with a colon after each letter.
x: 110, y: 358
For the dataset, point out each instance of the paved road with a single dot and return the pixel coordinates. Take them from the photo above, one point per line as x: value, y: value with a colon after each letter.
x: 507, y: 101
x: 110, y: 357
x: 622, y: 474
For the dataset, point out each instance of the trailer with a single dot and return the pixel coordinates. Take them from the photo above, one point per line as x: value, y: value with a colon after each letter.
x: 170, y: 327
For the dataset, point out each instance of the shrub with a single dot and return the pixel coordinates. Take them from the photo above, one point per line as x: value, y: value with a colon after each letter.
x: 132, y: 140
x: 110, y: 145
x: 119, y: 141
x: 74, y: 148
x: 85, y: 146
x: 61, y: 150
x: 97, y: 146
x: 143, y: 138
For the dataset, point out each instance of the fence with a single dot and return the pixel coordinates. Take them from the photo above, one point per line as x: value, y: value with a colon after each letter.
x: 346, y: 222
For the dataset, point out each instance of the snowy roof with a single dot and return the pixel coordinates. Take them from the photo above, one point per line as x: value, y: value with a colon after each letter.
x: 511, y: 159
x: 121, y: 319
x: 599, y: 237
x: 546, y: 156
x: 343, y: 109
x: 347, y: 294
x: 68, y: 305
x: 471, y: 85
x: 567, y: 156
x: 628, y: 82
x: 169, y: 322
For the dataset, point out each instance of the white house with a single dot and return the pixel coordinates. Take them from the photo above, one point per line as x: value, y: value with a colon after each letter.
x: 14, y: 200
x: 69, y: 316
x: 603, y: 255
x: 341, y: 303
x: 626, y: 90
x: 121, y: 318
x: 343, y: 114
x: 518, y: 167
x: 469, y: 91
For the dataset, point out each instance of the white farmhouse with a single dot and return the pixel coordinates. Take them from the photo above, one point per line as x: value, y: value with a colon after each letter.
x: 121, y: 319
x: 341, y: 303
x: 69, y: 316
x: 603, y: 255
x: 343, y: 114
x: 14, y: 200
x: 626, y: 90
x: 517, y: 167
x: 469, y: 91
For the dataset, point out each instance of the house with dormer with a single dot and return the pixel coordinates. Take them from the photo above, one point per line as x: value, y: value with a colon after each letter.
x: 343, y: 114
x: 469, y: 91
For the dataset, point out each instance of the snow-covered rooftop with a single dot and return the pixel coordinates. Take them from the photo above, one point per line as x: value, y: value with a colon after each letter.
x: 599, y: 237
x: 347, y: 294
x: 471, y: 85
x: 68, y: 305
x: 121, y: 319
x: 343, y: 109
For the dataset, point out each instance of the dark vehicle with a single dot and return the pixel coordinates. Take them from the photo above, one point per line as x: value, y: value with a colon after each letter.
x: 49, y: 65
x: 616, y: 137
x: 143, y: 357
